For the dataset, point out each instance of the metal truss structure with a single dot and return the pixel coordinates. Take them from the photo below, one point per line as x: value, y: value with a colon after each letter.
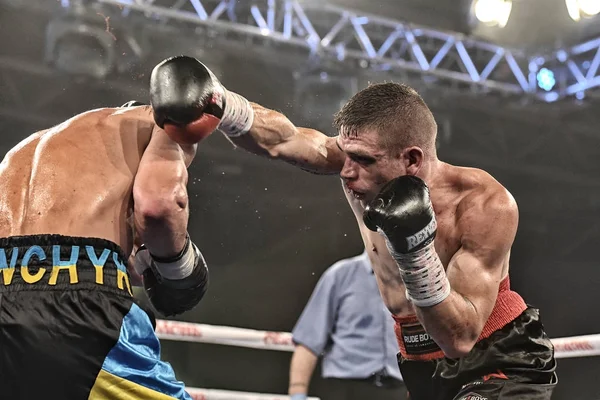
x: 333, y: 35
x: 577, y: 70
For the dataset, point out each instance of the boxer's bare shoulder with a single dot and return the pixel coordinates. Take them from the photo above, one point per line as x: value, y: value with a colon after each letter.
x: 482, y: 193
x: 469, y: 203
x: 75, y: 178
x: 486, y: 215
x: 473, y: 189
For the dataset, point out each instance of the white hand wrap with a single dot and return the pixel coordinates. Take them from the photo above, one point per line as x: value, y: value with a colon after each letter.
x: 175, y: 270
x: 424, y: 276
x: 238, y: 115
x: 181, y: 268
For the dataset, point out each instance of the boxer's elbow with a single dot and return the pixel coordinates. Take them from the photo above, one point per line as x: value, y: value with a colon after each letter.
x: 160, y: 210
x: 160, y: 205
x: 458, y: 349
x: 459, y: 344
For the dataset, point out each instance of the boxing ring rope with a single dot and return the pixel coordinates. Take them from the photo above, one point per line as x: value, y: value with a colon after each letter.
x: 213, y: 394
x: 567, y: 347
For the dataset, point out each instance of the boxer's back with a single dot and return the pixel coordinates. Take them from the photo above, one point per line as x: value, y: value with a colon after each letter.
x: 76, y: 179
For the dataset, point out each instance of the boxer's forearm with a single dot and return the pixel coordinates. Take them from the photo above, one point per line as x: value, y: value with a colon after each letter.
x: 273, y: 135
x: 161, y: 219
x: 453, y: 324
x: 301, y: 369
x: 270, y: 129
x: 160, y: 198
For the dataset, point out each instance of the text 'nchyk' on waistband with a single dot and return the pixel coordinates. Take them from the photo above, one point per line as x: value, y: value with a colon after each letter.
x: 38, y: 263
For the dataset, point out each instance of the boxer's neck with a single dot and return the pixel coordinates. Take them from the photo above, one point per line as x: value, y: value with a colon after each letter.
x: 432, y: 172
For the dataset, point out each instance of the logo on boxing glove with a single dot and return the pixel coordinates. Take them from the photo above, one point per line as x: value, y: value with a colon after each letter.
x: 421, y: 236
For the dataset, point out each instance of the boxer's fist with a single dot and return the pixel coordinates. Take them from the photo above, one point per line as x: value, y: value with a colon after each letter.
x: 402, y: 211
x: 187, y: 99
x: 172, y: 296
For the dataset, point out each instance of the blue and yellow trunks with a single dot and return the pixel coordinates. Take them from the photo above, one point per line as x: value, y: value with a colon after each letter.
x: 70, y: 328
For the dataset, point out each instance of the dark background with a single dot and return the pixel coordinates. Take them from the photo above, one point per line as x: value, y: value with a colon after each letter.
x: 268, y: 231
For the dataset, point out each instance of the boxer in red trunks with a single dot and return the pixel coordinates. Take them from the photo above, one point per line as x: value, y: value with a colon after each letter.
x: 439, y: 236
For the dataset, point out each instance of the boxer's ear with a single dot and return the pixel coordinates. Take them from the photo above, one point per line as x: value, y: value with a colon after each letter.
x: 413, y: 158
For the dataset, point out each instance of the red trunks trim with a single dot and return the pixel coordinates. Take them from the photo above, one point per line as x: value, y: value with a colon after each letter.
x: 416, y: 344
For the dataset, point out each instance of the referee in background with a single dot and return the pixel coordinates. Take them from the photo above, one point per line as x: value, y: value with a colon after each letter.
x: 346, y: 322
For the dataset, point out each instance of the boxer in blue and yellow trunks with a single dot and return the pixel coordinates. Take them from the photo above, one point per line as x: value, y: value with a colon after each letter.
x: 75, y: 199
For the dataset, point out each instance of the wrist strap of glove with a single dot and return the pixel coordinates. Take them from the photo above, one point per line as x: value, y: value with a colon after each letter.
x: 179, y: 266
x: 424, y: 276
x: 176, y: 257
x: 238, y: 115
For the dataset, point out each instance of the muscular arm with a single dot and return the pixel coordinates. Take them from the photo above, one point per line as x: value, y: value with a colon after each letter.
x: 475, y: 273
x: 160, y: 195
x: 273, y: 135
x: 191, y: 109
x: 301, y: 369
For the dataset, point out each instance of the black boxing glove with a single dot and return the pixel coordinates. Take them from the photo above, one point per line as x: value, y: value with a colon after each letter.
x: 174, y: 285
x: 402, y: 212
x: 189, y: 102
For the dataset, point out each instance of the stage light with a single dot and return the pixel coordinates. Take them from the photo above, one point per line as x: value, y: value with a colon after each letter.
x: 79, y: 47
x: 582, y: 8
x: 492, y: 12
x: 590, y: 7
x: 546, y: 79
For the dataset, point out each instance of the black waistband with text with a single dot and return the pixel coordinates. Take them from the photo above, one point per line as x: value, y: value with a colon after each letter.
x: 43, y: 262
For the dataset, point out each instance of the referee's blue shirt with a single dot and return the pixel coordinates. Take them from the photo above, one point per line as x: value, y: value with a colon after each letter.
x: 347, y: 323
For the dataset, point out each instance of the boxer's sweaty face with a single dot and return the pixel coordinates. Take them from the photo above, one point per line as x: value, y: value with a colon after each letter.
x: 368, y: 166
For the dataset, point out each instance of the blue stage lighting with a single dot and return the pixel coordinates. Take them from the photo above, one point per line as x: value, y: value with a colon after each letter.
x: 546, y: 79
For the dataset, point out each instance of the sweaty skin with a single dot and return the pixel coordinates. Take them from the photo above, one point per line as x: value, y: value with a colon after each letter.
x: 78, y: 179
x: 477, y: 220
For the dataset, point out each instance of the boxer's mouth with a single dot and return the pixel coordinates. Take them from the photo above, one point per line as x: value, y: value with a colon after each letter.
x: 358, y: 195
x: 355, y: 193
